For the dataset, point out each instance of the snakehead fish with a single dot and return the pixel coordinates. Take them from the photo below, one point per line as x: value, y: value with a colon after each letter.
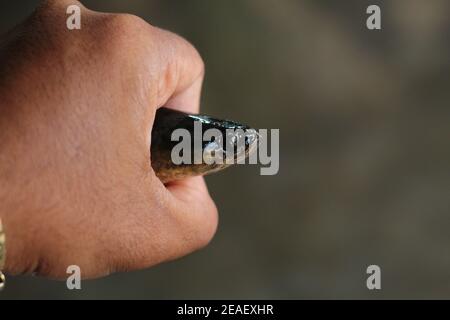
x: 240, y: 139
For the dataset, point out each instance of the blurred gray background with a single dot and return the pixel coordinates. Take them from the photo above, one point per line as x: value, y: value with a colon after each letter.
x: 365, y: 160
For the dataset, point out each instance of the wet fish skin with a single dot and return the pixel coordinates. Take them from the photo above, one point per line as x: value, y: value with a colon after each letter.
x: 167, y: 120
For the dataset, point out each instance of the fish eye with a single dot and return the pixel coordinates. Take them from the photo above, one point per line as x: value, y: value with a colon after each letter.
x: 250, y: 137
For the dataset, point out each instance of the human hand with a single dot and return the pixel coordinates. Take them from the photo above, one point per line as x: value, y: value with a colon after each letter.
x: 77, y: 108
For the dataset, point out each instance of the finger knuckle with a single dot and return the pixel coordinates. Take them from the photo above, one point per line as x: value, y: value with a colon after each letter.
x: 54, y: 8
x: 209, y: 227
x: 194, y: 58
x: 124, y: 27
x: 199, y: 227
x: 123, y: 37
x: 180, y: 45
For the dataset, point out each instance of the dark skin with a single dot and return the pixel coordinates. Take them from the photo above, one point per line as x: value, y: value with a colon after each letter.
x: 77, y: 109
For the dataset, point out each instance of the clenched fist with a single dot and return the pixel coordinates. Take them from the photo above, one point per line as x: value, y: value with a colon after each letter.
x: 76, y: 114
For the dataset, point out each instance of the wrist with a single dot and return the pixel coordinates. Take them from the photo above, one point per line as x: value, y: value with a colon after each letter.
x: 2, y: 255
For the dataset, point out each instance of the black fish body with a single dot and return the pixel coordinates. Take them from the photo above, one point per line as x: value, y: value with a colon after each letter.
x: 168, y: 120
